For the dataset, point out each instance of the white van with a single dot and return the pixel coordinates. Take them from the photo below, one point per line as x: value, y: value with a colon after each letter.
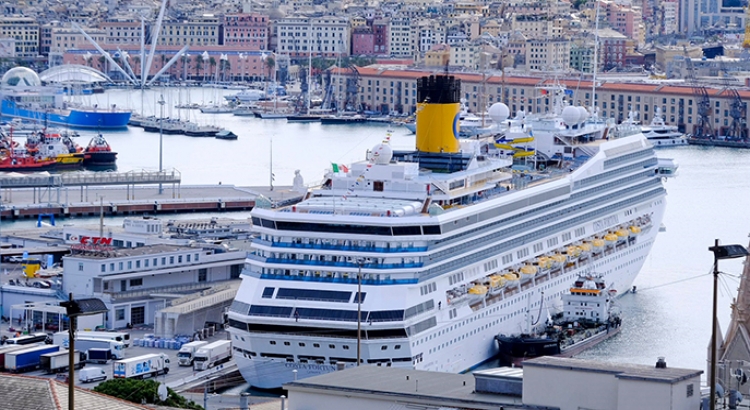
x: 91, y: 374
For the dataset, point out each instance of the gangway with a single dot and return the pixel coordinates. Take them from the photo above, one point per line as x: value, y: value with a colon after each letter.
x: 46, y: 183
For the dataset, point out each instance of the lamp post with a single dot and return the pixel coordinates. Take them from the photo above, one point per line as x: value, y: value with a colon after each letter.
x: 360, y: 262
x: 720, y: 252
x: 161, y: 137
x: 75, y: 308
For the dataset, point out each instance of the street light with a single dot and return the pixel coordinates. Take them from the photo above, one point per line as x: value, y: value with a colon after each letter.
x: 360, y: 262
x: 720, y: 252
x: 75, y: 308
x: 161, y: 137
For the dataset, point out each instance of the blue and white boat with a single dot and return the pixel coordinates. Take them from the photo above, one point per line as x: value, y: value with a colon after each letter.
x: 24, y: 96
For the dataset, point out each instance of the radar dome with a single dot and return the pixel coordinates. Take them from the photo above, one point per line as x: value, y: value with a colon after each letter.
x: 583, y: 112
x: 21, y: 77
x: 499, y: 112
x: 520, y: 114
x: 382, y: 154
x: 570, y: 115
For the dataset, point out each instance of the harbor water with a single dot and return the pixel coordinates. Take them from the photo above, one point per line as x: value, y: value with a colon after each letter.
x: 669, y: 315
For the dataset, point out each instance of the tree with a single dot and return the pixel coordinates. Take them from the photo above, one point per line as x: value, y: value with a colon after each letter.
x: 212, y: 63
x: 140, y: 391
x: 137, y: 64
x: 270, y: 63
x: 198, y: 65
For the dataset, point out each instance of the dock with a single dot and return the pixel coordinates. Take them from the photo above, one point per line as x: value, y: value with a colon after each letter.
x: 133, y: 199
x: 715, y: 142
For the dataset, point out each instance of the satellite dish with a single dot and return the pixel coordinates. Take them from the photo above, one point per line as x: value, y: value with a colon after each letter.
x: 162, y: 391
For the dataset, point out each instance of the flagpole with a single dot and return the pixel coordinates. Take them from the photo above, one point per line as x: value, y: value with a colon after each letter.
x: 271, y: 176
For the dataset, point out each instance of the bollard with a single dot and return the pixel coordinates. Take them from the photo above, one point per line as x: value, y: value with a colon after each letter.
x: 243, y: 401
x: 282, y: 402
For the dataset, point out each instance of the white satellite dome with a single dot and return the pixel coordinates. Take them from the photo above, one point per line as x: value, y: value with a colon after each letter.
x: 520, y: 114
x: 499, y: 112
x: 583, y: 112
x: 382, y: 154
x: 570, y: 115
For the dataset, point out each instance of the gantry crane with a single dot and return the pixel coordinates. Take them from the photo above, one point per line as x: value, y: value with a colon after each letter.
x: 737, y: 109
x: 703, y: 128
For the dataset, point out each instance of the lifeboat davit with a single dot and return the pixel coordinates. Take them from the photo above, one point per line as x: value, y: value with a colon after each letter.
x: 496, y: 282
x: 598, y: 244
x: 558, y: 259
x: 480, y: 290
x: 528, y: 271
x: 585, y: 248
x: 543, y: 262
x: 511, y: 279
x: 610, y: 238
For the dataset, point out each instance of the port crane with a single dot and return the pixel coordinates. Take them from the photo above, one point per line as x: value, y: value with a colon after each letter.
x: 737, y: 130
x: 703, y: 128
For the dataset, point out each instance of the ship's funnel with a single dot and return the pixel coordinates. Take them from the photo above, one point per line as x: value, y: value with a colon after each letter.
x: 438, y: 125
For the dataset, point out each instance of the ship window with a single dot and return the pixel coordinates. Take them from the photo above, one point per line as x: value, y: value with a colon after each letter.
x: 356, y: 297
x: 312, y: 294
x: 273, y: 342
x: 386, y: 316
x: 236, y: 324
x: 397, y: 347
x: 345, y: 347
x: 286, y: 343
x: 431, y: 229
x: 377, y: 186
x: 301, y: 344
x: 268, y: 293
x: 331, y: 346
x: 383, y: 347
x: 274, y: 311
x: 239, y: 307
x: 316, y: 345
x: 406, y: 230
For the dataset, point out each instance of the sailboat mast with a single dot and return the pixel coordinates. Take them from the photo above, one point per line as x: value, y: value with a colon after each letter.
x: 309, y: 68
x: 596, y: 60
x: 271, y: 166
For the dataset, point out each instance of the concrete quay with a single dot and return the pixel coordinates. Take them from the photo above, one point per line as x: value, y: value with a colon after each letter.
x: 29, y: 203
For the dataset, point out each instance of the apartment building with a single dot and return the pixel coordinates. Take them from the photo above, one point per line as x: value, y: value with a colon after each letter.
x: 326, y: 36
x: 384, y: 89
x: 25, y: 32
x: 539, y: 26
x: 64, y: 38
x: 547, y: 55
x: 122, y: 31
x: 465, y: 55
x: 196, y: 31
x: 246, y: 31
x: 626, y: 20
x: 399, y: 37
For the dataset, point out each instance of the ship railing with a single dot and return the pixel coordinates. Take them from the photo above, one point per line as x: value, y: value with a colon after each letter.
x: 344, y: 264
x: 342, y: 247
x: 337, y: 279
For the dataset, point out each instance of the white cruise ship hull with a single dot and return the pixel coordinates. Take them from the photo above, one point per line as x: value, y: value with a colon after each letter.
x: 456, y: 345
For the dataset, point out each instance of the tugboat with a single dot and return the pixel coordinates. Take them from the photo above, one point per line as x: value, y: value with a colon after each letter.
x: 60, y: 148
x: 99, y: 153
x: 587, y: 320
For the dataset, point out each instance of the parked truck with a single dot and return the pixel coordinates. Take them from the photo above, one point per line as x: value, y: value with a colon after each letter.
x: 212, y: 354
x: 141, y: 367
x: 27, y: 359
x: 91, y: 374
x: 83, y: 344
x: 59, y: 361
x: 12, y: 348
x: 186, y: 355
x: 98, y: 355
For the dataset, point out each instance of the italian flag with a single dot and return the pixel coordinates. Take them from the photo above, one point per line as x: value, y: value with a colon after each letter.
x: 340, y: 168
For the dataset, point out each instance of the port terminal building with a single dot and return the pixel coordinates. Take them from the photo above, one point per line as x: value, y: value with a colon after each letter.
x: 545, y: 383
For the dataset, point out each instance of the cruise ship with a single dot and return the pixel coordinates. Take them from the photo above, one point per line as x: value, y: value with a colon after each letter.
x: 420, y: 258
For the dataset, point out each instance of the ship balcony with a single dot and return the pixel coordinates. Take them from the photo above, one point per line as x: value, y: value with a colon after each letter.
x: 338, y: 279
x: 351, y: 248
x: 341, y: 264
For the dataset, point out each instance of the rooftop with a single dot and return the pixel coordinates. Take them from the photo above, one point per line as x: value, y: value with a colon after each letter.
x: 139, y: 251
x: 24, y: 393
x: 620, y: 370
x: 456, y: 389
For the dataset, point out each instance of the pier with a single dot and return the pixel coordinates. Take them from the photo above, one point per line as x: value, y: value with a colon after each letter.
x: 131, y: 193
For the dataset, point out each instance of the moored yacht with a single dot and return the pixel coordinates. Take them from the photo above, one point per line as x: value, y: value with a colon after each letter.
x: 419, y: 258
x: 660, y: 134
